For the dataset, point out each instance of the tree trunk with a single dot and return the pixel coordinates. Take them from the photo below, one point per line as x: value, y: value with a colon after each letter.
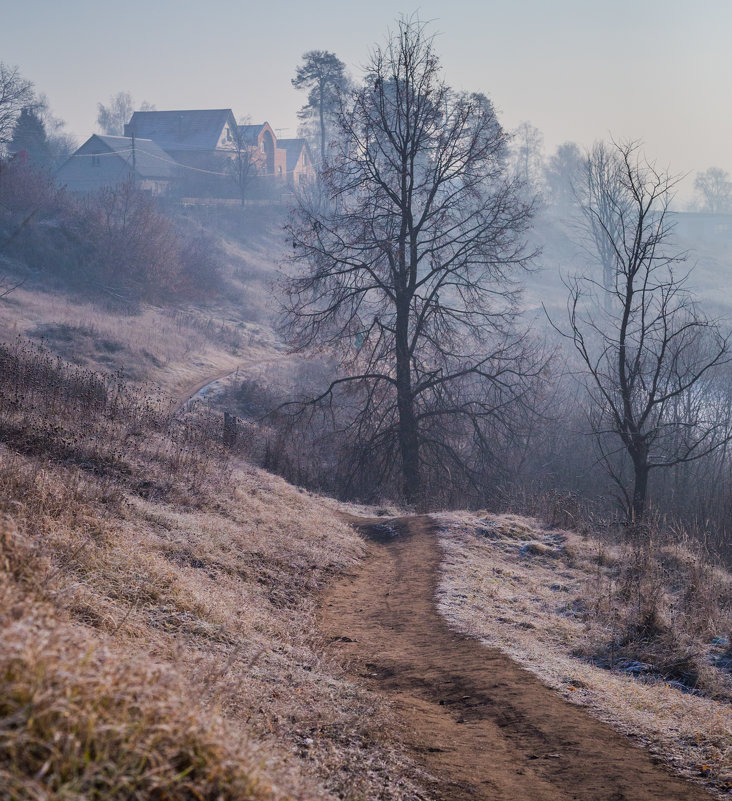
x: 322, y: 127
x: 408, y: 433
x: 640, y: 490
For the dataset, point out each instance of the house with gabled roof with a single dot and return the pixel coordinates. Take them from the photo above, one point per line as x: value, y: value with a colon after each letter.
x: 109, y: 160
x: 197, y: 147
x: 202, y: 141
x: 185, y: 133
x: 272, y: 159
x: 299, y: 160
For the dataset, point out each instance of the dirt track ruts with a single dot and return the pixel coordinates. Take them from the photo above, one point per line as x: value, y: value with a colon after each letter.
x: 483, y: 727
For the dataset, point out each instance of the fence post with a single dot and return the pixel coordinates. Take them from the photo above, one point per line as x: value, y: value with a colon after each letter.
x: 230, y: 431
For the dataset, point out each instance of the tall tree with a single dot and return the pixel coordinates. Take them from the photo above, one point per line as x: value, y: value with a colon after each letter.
x: 405, y: 265
x: 323, y: 74
x: 648, y: 353
x: 526, y: 149
x: 563, y: 174
x: 113, y: 117
x: 715, y: 189
x: 16, y: 93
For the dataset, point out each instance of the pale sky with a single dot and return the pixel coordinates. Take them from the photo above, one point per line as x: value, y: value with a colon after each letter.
x: 579, y: 70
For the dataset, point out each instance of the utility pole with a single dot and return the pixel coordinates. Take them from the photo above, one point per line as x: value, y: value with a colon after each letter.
x: 134, y: 161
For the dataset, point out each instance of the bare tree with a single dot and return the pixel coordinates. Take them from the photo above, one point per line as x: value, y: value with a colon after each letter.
x: 406, y: 257
x: 715, y: 188
x: 113, y: 117
x: 61, y: 143
x: 526, y: 149
x: 603, y: 199
x: 244, y: 165
x: 15, y: 94
x: 648, y: 354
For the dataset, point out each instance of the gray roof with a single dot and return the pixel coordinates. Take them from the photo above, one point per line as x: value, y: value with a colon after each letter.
x: 151, y: 161
x: 294, y: 148
x: 250, y: 133
x: 182, y: 130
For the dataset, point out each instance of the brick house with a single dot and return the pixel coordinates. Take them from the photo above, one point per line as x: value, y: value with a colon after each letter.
x: 299, y: 161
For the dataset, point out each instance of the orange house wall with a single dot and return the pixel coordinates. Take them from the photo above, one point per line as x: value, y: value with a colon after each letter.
x: 280, y: 161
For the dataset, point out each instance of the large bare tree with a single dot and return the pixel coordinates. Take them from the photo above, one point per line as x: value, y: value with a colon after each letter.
x: 16, y: 93
x: 649, y: 355
x: 405, y: 263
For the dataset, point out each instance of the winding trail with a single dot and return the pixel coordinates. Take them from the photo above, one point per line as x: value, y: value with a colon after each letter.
x: 480, y: 725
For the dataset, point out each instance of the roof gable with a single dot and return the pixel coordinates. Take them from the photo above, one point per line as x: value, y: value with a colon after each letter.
x: 251, y: 134
x: 149, y: 159
x: 294, y: 148
x: 182, y: 130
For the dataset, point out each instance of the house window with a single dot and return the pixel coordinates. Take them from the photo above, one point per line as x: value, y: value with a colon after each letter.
x: 96, y: 161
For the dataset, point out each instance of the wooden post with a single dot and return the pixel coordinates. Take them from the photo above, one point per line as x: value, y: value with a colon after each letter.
x: 230, y: 431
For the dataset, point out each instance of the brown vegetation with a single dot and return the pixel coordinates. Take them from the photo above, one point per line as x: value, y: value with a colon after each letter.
x: 157, y: 608
x: 116, y: 245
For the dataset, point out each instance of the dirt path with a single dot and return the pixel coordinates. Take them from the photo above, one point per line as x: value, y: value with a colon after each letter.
x: 201, y: 388
x: 478, y: 723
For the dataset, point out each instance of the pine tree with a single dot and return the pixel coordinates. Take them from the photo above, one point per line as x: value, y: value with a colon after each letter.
x: 29, y: 136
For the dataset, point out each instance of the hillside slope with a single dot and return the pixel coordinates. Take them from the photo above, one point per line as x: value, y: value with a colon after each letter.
x: 156, y: 608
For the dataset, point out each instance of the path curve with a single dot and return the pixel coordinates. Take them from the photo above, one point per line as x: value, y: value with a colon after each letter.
x: 201, y: 388
x: 483, y: 727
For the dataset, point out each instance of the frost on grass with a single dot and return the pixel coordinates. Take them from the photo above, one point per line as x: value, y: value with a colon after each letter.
x: 554, y: 601
x: 157, y: 610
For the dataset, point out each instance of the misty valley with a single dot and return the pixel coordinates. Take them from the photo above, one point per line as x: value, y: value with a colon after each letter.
x: 389, y: 460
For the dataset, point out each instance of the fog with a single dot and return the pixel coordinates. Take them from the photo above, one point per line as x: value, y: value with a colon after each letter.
x: 578, y: 71
x: 569, y: 202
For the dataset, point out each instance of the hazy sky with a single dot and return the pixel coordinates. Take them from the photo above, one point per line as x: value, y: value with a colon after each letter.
x: 659, y: 70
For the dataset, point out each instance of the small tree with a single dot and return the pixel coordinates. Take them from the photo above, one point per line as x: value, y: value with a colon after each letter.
x: 323, y: 74
x: 647, y: 352
x: 406, y: 257
x: 715, y: 189
x: 243, y: 167
x: 112, y: 118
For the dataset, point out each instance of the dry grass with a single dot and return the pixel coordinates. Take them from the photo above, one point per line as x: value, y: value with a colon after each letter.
x: 173, y: 349
x: 82, y: 721
x: 157, y: 609
x: 555, y: 602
